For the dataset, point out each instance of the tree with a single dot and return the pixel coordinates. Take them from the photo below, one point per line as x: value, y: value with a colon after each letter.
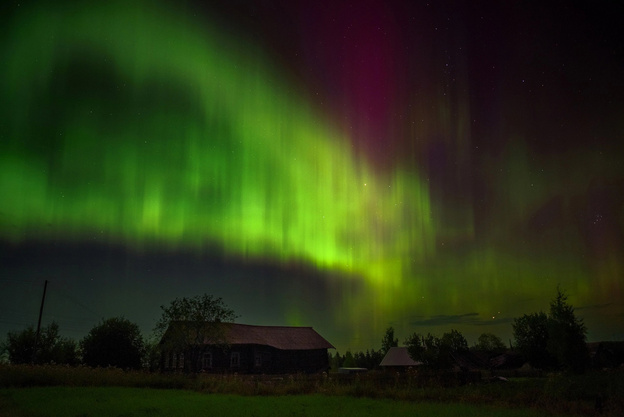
x: 335, y: 361
x: 4, y: 353
x: 349, y: 360
x: 389, y: 340
x: 191, y: 322
x: 369, y: 360
x: 450, y: 344
x: 435, y: 352
x: 455, y: 341
x: 51, y: 348
x: 151, y: 356
x: 21, y: 345
x: 531, y: 335
x: 376, y: 356
x: 567, y: 335
x: 423, y: 349
x: 114, y: 342
x: 359, y: 360
x: 556, y: 341
x: 490, y: 343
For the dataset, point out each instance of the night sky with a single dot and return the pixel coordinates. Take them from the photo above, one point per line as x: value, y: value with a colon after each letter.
x: 348, y: 166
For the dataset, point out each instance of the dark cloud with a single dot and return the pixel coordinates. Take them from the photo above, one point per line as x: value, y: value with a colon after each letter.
x: 593, y: 307
x: 457, y: 319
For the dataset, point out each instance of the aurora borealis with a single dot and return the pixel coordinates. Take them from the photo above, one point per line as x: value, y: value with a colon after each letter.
x: 346, y: 167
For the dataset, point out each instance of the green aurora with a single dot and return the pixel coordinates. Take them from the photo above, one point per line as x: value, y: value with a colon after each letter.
x: 141, y: 126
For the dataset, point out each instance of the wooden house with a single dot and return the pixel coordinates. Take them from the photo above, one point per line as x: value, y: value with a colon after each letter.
x: 249, y: 349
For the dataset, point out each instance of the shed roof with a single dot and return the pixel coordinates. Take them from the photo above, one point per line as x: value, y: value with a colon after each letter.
x: 279, y: 337
x: 398, y: 356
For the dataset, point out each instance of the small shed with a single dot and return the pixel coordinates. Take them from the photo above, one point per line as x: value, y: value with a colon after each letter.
x: 398, y: 359
x: 253, y: 349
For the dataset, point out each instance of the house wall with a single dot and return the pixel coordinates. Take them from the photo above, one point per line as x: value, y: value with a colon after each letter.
x: 250, y: 359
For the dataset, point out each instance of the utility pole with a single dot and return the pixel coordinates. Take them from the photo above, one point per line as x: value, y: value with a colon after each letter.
x: 45, y: 287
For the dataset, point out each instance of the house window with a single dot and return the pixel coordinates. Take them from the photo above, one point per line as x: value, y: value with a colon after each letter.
x: 175, y: 361
x: 235, y: 360
x: 207, y: 360
x: 181, y: 360
x: 167, y: 359
x: 257, y: 360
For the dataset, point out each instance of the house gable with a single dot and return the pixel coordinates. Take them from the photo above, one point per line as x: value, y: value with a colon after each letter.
x: 398, y: 357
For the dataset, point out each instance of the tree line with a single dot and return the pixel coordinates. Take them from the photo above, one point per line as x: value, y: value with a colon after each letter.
x: 118, y: 342
x: 430, y: 350
x: 553, y: 341
x: 113, y: 342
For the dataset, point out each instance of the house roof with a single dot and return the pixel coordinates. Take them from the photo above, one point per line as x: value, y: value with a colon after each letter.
x: 279, y: 337
x: 398, y: 356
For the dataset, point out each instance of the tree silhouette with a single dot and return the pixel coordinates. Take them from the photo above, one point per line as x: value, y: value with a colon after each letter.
x: 435, y: 352
x: 490, y: 343
x: 349, y: 360
x: 51, y: 348
x: 389, y: 340
x: 556, y: 341
x: 531, y: 335
x: 114, y: 342
x: 567, y: 335
x: 187, y: 324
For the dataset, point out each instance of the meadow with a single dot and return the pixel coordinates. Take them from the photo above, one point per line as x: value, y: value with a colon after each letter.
x: 81, y: 391
x: 120, y: 401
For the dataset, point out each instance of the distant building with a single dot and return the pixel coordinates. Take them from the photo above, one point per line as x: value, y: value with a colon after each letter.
x: 251, y: 349
x: 398, y: 359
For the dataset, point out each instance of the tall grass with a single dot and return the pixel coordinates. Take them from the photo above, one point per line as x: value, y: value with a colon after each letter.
x: 598, y: 393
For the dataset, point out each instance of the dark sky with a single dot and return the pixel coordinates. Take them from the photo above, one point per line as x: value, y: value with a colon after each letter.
x: 346, y: 165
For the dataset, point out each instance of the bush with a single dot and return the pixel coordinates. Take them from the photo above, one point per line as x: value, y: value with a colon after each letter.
x: 114, y: 342
x: 50, y: 348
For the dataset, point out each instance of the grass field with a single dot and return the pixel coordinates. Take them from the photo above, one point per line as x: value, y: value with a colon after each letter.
x: 127, y: 402
x: 27, y: 390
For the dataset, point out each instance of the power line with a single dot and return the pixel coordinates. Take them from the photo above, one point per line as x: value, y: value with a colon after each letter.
x: 71, y: 298
x: 7, y: 278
